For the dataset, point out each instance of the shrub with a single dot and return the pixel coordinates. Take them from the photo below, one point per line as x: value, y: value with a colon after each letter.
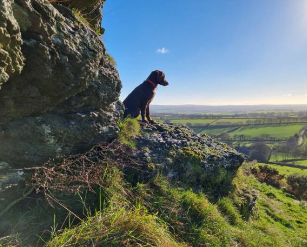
x: 268, y: 175
x: 297, y: 185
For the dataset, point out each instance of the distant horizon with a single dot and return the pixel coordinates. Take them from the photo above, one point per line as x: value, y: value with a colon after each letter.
x: 229, y: 105
x: 200, y: 109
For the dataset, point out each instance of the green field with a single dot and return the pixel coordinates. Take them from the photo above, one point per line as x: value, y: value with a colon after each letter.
x: 286, y: 170
x: 276, y: 130
x: 277, y: 157
x: 192, y: 121
x: 213, y: 121
x: 235, y: 120
x: 213, y: 132
x: 301, y: 162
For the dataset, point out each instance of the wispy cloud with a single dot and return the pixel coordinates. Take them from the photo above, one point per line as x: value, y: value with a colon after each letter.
x: 287, y: 95
x: 162, y: 50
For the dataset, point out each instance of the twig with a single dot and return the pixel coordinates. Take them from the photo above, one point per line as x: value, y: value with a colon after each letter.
x: 24, y: 196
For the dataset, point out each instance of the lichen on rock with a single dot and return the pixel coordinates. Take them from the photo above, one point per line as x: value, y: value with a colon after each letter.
x: 186, y: 157
x: 65, y: 99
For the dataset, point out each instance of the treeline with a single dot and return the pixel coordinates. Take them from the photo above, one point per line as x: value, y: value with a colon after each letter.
x: 269, y: 115
x: 289, y: 149
x: 225, y: 136
x: 260, y: 121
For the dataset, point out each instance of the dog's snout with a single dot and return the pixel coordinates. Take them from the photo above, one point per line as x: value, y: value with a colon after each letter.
x: 165, y: 83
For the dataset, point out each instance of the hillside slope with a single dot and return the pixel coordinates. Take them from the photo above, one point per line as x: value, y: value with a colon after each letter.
x: 159, y: 192
x: 160, y: 214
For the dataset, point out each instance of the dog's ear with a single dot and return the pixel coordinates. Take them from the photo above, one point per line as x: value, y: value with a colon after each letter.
x: 159, y: 75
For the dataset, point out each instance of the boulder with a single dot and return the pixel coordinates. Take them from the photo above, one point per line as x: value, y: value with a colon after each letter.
x: 194, y: 160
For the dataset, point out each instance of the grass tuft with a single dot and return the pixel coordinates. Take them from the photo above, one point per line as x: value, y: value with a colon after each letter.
x: 118, y: 226
x: 111, y: 59
x: 129, y: 129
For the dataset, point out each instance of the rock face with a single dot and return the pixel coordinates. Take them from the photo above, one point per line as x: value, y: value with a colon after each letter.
x: 186, y: 157
x: 11, y: 58
x: 59, y: 91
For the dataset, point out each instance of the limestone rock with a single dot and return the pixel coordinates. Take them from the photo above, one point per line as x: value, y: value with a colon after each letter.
x: 11, y: 57
x: 187, y: 157
x: 65, y: 99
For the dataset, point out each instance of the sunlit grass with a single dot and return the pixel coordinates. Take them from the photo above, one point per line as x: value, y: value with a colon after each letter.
x: 159, y: 214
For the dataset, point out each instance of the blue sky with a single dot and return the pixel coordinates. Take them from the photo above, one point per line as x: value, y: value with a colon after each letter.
x: 213, y: 52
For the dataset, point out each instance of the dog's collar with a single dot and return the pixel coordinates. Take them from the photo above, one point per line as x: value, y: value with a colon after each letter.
x: 154, y: 85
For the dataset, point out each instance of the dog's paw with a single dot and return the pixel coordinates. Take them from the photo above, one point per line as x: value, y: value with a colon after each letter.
x: 144, y: 122
x: 152, y: 122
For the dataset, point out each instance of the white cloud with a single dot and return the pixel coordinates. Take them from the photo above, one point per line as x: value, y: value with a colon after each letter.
x: 287, y: 95
x: 162, y: 50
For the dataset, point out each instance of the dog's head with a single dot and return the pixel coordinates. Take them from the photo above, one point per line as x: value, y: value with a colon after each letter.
x: 158, y: 77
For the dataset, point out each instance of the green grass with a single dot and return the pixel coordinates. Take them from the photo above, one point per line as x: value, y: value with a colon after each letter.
x: 279, y: 157
x: 215, y: 132
x: 278, y: 131
x: 275, y: 156
x: 280, y: 214
x: 118, y: 226
x: 159, y: 214
x: 300, y: 162
x: 286, y: 170
x: 129, y: 129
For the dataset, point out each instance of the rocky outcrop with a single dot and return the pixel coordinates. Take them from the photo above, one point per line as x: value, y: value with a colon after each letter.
x: 186, y: 157
x: 175, y: 152
x: 65, y: 98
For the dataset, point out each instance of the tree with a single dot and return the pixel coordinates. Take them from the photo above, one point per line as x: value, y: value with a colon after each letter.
x: 260, y: 152
x: 225, y: 136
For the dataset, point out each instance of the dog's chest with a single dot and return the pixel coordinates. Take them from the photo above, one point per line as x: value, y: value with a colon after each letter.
x: 153, y: 95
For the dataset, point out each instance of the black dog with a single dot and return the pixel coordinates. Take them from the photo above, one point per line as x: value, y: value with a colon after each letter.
x: 140, y: 98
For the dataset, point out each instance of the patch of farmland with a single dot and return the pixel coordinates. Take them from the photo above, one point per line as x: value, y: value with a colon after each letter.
x: 192, y: 121
x: 214, y: 132
x: 235, y: 121
x: 276, y: 130
x: 286, y: 170
x: 299, y: 162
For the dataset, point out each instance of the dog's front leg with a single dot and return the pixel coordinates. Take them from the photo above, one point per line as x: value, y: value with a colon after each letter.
x: 148, y: 115
x: 143, y: 110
